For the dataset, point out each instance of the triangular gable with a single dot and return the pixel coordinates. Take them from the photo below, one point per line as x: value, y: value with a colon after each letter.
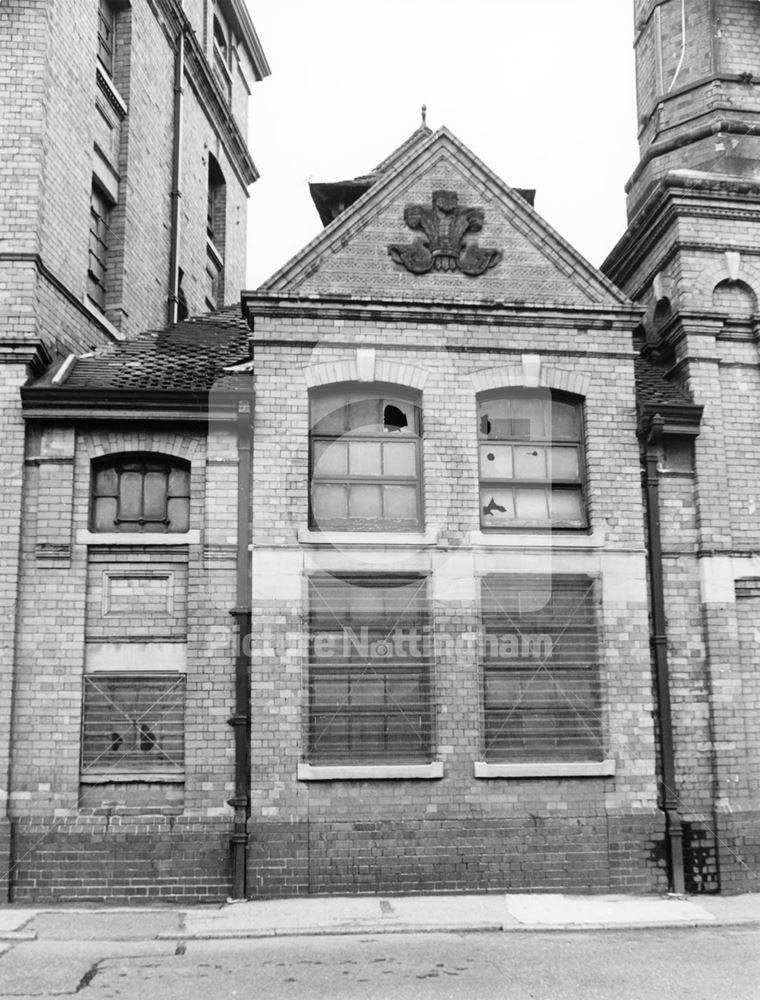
x: 528, y: 262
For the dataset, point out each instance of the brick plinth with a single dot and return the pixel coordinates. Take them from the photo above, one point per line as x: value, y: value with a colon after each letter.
x: 520, y: 854
x: 121, y: 859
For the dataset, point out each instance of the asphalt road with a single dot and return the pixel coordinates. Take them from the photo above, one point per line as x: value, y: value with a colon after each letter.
x: 672, y: 964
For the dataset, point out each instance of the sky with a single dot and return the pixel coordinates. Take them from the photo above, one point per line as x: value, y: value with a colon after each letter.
x: 541, y: 90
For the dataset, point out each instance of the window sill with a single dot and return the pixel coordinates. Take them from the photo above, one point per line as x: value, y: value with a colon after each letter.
x: 557, y: 538
x: 567, y: 769
x: 391, y: 539
x: 85, y: 537
x: 125, y: 777
x: 371, y: 772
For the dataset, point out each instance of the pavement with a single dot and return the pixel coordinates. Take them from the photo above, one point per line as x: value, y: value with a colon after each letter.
x: 323, y: 915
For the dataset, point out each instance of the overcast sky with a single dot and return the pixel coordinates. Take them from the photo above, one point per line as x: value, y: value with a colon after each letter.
x: 541, y: 90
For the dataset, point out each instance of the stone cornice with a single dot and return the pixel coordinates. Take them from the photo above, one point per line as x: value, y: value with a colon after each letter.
x: 475, y: 312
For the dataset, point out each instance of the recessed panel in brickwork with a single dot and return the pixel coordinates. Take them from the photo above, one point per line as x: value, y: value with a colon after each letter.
x: 138, y: 594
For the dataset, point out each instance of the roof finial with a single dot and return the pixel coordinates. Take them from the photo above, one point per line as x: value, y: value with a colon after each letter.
x: 424, y: 115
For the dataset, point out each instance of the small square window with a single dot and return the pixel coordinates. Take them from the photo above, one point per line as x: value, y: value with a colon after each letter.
x: 140, y: 493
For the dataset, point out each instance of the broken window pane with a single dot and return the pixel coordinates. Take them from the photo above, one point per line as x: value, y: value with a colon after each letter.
x: 530, y: 463
x: 496, y: 461
x: 398, y: 416
x: 497, y: 506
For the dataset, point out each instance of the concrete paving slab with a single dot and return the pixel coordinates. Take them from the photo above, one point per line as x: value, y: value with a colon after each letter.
x: 555, y: 910
x: 743, y: 908
x: 105, y: 925
x: 14, y: 924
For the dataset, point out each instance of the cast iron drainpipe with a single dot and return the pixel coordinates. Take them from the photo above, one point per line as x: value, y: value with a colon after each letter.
x: 659, y: 640
x: 176, y: 194
x: 241, y: 720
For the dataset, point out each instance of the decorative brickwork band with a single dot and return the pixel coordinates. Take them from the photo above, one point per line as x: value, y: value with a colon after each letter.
x: 442, y: 246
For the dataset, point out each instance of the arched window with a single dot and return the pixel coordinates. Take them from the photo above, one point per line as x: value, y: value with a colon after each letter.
x: 144, y: 493
x: 365, y: 459
x: 531, y: 460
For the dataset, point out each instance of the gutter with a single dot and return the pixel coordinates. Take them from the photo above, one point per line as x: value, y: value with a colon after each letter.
x: 659, y: 642
x: 176, y: 194
x: 241, y: 719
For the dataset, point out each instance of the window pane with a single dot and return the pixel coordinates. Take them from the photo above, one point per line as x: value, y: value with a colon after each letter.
x: 364, y: 414
x: 104, y: 515
x: 179, y: 482
x: 400, y: 502
x: 106, y: 482
x: 400, y: 458
x: 530, y: 463
x: 154, y: 495
x: 398, y: 416
x: 330, y: 458
x: 563, y: 463
x: 496, y: 461
x: 531, y: 505
x: 567, y: 506
x: 130, y: 496
x: 328, y: 415
x: 178, y: 512
x: 364, y: 458
x: 364, y: 501
x: 534, y: 410
x: 496, y: 507
x: 329, y: 503
x: 564, y: 421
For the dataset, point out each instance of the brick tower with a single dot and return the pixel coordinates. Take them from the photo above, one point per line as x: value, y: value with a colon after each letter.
x: 124, y: 173
x: 690, y: 257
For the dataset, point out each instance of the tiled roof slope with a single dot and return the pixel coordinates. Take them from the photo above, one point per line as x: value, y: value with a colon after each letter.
x: 653, y: 389
x: 190, y: 356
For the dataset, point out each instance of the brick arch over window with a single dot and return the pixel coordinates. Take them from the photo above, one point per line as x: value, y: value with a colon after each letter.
x: 174, y: 446
x: 139, y: 492
x: 365, y: 367
x: 530, y: 374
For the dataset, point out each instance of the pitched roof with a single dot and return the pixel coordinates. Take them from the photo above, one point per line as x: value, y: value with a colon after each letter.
x: 654, y: 389
x: 188, y: 357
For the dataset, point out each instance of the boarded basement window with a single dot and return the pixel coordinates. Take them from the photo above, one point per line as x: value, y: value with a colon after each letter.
x: 540, y: 669
x: 133, y: 723
x: 369, y: 672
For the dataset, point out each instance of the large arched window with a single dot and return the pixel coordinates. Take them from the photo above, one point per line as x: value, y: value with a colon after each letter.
x: 531, y: 460
x: 140, y: 492
x: 365, y: 459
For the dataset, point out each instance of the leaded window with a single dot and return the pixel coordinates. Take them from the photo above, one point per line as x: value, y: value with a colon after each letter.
x: 140, y: 493
x: 369, y: 670
x: 365, y: 461
x: 531, y: 458
x: 541, y: 690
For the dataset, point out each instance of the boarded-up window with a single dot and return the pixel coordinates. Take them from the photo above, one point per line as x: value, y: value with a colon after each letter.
x: 365, y: 461
x: 531, y: 460
x: 369, y: 677
x: 133, y: 723
x: 140, y: 493
x: 540, y: 669
x: 100, y: 215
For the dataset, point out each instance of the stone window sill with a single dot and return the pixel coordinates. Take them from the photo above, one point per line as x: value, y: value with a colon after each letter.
x: 571, y: 538
x: 568, y: 769
x: 369, y: 772
x: 124, y: 777
x: 85, y: 537
x: 389, y: 539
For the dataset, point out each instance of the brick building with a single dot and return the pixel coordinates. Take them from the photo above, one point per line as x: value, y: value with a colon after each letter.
x: 364, y: 590
x: 124, y: 172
